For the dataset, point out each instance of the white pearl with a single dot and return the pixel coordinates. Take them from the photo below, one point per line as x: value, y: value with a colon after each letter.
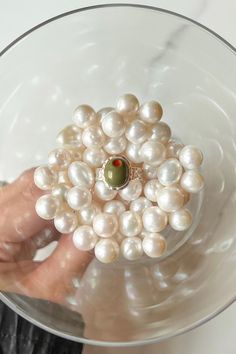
x: 151, y: 188
x: 169, y: 172
x: 154, y: 245
x: 154, y: 219
x: 115, y: 145
x: 153, y: 153
x: 86, y: 215
x: 170, y: 199
x: 84, y: 238
x: 44, y: 178
x: 78, y: 198
x: 84, y: 116
x: 173, y: 149
x: 59, y: 159
x: 190, y: 157
x: 107, y: 251
x: 151, y: 112
x: 60, y: 191
x: 105, y: 225
x: 137, y: 132
x: 93, y: 137
x: 140, y: 204
x: 130, y: 223
x: 131, y: 248
x: 161, y: 132
x: 80, y: 174
x: 113, y: 124
x: 46, y: 207
x: 132, y: 191
x: 133, y: 152
x: 94, y: 158
x: 127, y: 104
x: 103, y: 192
x: 180, y: 220
x: 70, y: 135
x: 103, y: 111
x: 150, y: 172
x: 66, y: 221
x: 114, y: 207
x: 63, y: 178
x: 192, y: 181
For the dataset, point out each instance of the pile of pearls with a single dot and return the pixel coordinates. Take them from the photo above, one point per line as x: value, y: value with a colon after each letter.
x: 128, y: 221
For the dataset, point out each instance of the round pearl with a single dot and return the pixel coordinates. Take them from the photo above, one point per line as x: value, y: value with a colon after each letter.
x: 140, y: 204
x: 190, y: 157
x: 103, y: 112
x: 78, y: 198
x: 170, y: 199
x: 150, y: 172
x: 59, y: 159
x: 84, y: 116
x: 44, y: 178
x: 180, y: 220
x: 133, y: 152
x: 103, y: 192
x: 93, y: 137
x: 161, y: 132
x: 154, y: 219
x: 70, y: 135
x: 127, y: 104
x: 169, y: 172
x: 137, y: 132
x: 114, y: 207
x: 151, y: 188
x: 107, y: 251
x: 113, y: 124
x: 130, y: 223
x: 46, y: 207
x: 80, y: 174
x: 154, y: 245
x: 192, y: 181
x: 94, y: 158
x: 115, y: 145
x: 84, y: 238
x: 60, y: 191
x: 66, y: 221
x: 173, y: 149
x: 151, y: 112
x: 131, y: 248
x: 86, y: 215
x: 132, y: 191
x: 153, y: 153
x: 105, y: 225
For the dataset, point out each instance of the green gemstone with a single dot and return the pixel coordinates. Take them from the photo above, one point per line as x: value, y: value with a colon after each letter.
x: 116, y: 172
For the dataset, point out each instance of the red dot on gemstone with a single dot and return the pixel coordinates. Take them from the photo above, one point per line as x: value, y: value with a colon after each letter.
x: 117, y: 163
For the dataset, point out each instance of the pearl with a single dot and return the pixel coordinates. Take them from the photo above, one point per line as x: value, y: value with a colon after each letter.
x: 103, y: 192
x: 114, y: 207
x: 63, y: 178
x: 131, y: 248
x: 150, y: 172
x: 70, y: 135
x: 59, y: 159
x: 173, y: 149
x: 84, y: 116
x: 115, y: 145
x: 44, y: 178
x: 107, y: 251
x: 161, y: 132
x: 93, y: 137
x: 130, y: 223
x: 192, y: 181
x: 180, y: 220
x: 137, y: 132
x: 113, y: 124
x: 169, y: 172
x: 190, y: 157
x: 65, y: 221
x: 105, y: 225
x: 94, y: 158
x: 140, y: 204
x: 127, y: 104
x: 102, y: 112
x: 60, y: 191
x: 132, y: 191
x: 80, y: 174
x: 87, y: 214
x: 154, y: 219
x: 78, y: 198
x: 154, y: 245
x: 46, y: 207
x: 153, y: 153
x: 151, y: 188
x: 170, y: 199
x: 151, y: 112
x: 84, y: 238
x: 133, y: 152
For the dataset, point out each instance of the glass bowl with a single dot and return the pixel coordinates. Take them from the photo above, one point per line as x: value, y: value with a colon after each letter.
x: 92, y: 55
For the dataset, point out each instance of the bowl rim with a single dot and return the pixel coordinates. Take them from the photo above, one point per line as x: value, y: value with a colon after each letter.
x: 6, y: 298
